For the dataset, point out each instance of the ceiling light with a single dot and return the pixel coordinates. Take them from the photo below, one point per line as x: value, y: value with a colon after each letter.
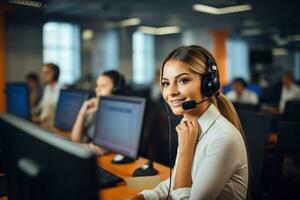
x: 279, y: 52
x: 160, y: 30
x: 294, y: 38
x: 221, y: 11
x: 130, y: 22
x: 251, y: 32
x: 27, y: 3
x: 87, y: 34
x: 147, y: 29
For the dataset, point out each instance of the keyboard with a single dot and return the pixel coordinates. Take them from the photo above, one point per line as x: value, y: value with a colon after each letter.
x: 107, y: 179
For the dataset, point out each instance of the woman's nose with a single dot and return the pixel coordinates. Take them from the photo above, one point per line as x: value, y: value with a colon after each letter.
x: 173, y: 90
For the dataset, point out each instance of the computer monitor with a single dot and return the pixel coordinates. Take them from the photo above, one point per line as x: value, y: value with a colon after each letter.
x: 17, y: 100
x: 119, y: 121
x: 40, y: 165
x: 68, y: 106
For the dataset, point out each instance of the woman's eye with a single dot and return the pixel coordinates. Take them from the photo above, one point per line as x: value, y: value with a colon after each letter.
x: 164, y: 84
x: 183, y: 81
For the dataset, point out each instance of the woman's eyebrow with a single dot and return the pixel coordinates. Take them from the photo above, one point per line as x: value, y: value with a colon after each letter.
x: 176, y: 77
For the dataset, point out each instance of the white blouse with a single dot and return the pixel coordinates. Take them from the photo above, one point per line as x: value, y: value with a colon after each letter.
x: 288, y: 94
x: 220, y: 169
x: 49, y: 101
x: 248, y: 97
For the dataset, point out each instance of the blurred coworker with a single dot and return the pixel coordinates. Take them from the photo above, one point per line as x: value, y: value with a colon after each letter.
x: 35, y: 89
x: 108, y: 83
x: 240, y: 94
x: 290, y: 91
x: 47, y: 106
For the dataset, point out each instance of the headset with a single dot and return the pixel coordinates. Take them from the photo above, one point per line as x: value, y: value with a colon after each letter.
x: 118, y: 86
x: 210, y: 83
x: 118, y: 81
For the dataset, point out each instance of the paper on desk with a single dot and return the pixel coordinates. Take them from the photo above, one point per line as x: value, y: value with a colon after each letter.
x: 143, y: 182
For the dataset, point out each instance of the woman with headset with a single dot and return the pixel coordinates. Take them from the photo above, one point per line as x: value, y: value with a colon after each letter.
x: 108, y: 83
x: 211, y: 158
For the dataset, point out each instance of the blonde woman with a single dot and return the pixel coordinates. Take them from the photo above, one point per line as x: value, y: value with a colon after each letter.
x: 211, y: 158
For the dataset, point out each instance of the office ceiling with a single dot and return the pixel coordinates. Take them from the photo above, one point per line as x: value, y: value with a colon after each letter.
x: 275, y: 20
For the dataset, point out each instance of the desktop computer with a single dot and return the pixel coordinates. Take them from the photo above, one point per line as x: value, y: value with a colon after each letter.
x: 17, y: 100
x: 119, y: 121
x: 68, y: 106
x: 40, y: 165
x: 119, y: 124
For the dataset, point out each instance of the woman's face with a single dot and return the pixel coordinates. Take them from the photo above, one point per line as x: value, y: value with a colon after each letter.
x: 47, y: 74
x: 180, y: 84
x: 104, y: 86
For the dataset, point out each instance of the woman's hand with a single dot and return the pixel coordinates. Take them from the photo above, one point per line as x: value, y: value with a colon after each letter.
x: 188, y: 133
x: 89, y: 106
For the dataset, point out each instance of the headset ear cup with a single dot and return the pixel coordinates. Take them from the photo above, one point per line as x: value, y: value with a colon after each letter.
x: 204, y: 85
x: 214, y: 85
x: 210, y: 84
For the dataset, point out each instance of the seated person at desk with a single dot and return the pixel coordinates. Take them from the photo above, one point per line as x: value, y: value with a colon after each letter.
x: 240, y: 93
x: 212, y: 158
x: 290, y: 91
x: 47, y: 106
x: 108, y: 83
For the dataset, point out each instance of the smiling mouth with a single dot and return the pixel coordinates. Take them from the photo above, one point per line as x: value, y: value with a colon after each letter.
x: 177, y: 102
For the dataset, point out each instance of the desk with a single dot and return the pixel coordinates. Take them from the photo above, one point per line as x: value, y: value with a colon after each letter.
x: 124, y: 171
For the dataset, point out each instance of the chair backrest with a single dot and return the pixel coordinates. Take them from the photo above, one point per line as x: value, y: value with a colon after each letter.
x: 287, y: 144
x: 292, y: 110
x: 246, y: 106
x: 255, y: 126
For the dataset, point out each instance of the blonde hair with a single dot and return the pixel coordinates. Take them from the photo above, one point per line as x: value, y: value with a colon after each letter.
x: 194, y: 57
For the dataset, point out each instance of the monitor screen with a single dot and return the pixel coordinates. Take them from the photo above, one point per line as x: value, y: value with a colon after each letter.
x: 119, y: 123
x: 68, y: 106
x: 40, y: 165
x: 17, y: 100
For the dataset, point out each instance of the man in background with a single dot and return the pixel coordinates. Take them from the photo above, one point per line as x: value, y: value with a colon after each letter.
x: 47, y: 106
x: 290, y: 91
x: 240, y: 93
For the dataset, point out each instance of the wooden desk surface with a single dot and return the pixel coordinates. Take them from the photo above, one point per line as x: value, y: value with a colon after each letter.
x: 124, y: 171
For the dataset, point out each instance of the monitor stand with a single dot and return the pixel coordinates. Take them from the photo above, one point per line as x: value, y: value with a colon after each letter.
x: 146, y: 170
x: 120, y: 159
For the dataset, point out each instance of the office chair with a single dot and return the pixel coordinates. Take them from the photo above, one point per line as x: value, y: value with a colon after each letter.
x: 292, y: 111
x: 287, y: 152
x: 255, y: 126
x: 246, y: 106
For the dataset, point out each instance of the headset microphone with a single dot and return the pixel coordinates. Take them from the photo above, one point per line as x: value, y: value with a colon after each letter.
x: 192, y: 104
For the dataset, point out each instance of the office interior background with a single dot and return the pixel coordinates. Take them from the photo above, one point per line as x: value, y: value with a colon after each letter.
x: 256, y: 40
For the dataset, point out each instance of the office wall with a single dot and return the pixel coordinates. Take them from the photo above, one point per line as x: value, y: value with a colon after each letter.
x: 125, y: 52
x: 166, y: 43
x: 23, y: 50
x: 110, y: 48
